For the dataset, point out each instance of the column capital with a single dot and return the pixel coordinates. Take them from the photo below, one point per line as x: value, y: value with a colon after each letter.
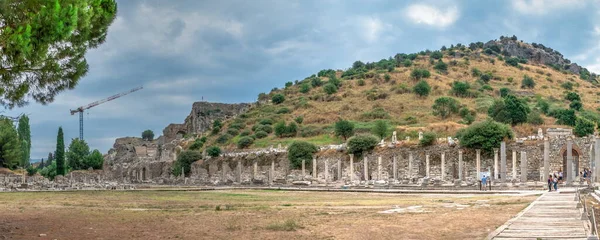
x: 478, y: 151
x: 460, y: 150
x: 495, y: 150
x: 351, y: 155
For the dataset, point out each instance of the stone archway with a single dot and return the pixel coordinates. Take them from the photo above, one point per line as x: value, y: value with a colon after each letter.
x: 144, y: 174
x: 576, y: 154
x: 180, y: 134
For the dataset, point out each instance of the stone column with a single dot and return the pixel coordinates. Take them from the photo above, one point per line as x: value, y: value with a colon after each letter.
x: 272, y: 170
x: 314, y: 163
x: 255, y: 170
x: 514, y: 165
x: 303, y: 168
x: 460, y: 164
x: 351, y: 168
x: 339, y: 171
x: 366, y: 170
x: 546, y: 158
x: 427, y: 165
x: 239, y: 171
x: 443, y: 166
x: 395, y: 168
x: 496, y: 164
x: 326, y: 171
x: 224, y: 177
x: 503, y: 169
x: 570, y: 175
x: 523, y: 167
x: 477, y: 163
x: 410, y: 160
x: 379, y: 168
x: 597, y: 157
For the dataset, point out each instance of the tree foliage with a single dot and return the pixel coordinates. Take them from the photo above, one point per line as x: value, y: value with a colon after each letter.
x: 300, y: 150
x: 148, y: 135
x: 43, y: 45
x: 78, y: 151
x: 360, y: 144
x: 344, y: 129
x: 59, y: 154
x: 429, y: 138
x: 419, y: 73
x: 527, y: 82
x: 25, y: 139
x: 422, y: 88
x: 484, y: 135
x: 10, y: 146
x: 245, y: 142
x: 185, y: 160
x: 380, y: 129
x: 95, y: 160
x: 330, y: 88
x: 283, y: 130
x: 445, y: 106
x: 583, y: 127
x: 278, y: 98
x: 213, y: 151
x: 461, y: 89
x: 509, y: 110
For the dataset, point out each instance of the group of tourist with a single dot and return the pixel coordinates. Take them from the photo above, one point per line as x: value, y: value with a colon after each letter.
x: 585, y: 176
x: 553, y: 181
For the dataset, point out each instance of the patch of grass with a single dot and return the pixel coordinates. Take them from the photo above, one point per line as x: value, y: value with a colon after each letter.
x: 286, y: 204
x: 323, y: 139
x: 289, y: 225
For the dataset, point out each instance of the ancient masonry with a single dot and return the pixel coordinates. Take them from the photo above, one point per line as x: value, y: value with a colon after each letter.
x: 133, y: 160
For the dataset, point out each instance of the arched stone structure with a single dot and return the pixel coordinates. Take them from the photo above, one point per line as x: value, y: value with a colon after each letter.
x: 577, y: 154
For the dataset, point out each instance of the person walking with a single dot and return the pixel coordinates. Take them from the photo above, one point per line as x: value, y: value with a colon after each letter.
x: 555, y: 183
x: 483, y: 182
x: 550, y: 181
x: 560, y: 176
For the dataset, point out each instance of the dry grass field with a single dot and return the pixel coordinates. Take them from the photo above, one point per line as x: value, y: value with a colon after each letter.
x: 252, y: 214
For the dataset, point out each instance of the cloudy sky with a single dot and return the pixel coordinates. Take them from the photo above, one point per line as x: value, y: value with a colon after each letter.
x: 230, y: 51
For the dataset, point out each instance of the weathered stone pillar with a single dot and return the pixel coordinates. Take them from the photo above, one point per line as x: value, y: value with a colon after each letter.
x: 546, y: 158
x: 427, y: 165
x: 366, y: 170
x: 514, y: 164
x: 303, y: 168
x: 239, y: 171
x: 255, y: 170
x: 460, y: 164
x: 597, y: 158
x: 523, y: 166
x: 224, y: 177
x: 314, y: 165
x: 477, y: 163
x: 443, y: 166
x: 570, y: 172
x: 496, y: 165
x: 326, y: 171
x: 503, y: 169
x: 395, y: 168
x: 272, y: 170
x: 339, y: 169
x: 410, y: 160
x: 351, y: 167
x: 379, y: 168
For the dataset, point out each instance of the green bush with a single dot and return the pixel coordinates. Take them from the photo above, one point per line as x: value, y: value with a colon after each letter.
x: 289, y: 84
x: 583, y: 127
x: 213, y: 151
x: 283, y: 130
x: 484, y: 135
x: 299, y: 119
x: 266, y: 121
x: 437, y: 55
x: 475, y: 72
x: 486, y: 77
x: 510, y: 110
x: 344, y: 129
x: 407, y: 63
x: 31, y: 170
x: 261, y: 134
x: 330, y: 88
x: 441, y: 66
x: 429, y: 138
x: 445, y: 106
x: 376, y: 94
x: 316, y: 82
x: 387, y: 77
x: 512, y: 61
x: 360, y: 144
x: 304, y: 88
x: 185, y: 160
x: 401, y: 88
x: 418, y: 73
x: 278, y: 98
x: 148, y: 135
x: 245, y: 133
x: 567, y: 85
x: 422, y: 88
x: 233, y: 131
x: 467, y: 115
x: 299, y: 151
x: 283, y: 110
x: 376, y: 113
x: 543, y: 105
x: 237, y: 125
x: 534, y: 118
x: 571, y: 96
x: 564, y: 116
x: 245, y: 142
x: 380, y: 128
x: 361, y: 82
x: 504, y: 92
x: 461, y: 89
x: 196, y: 145
x: 224, y: 138
x: 264, y: 128
x: 527, y: 82
x: 576, y: 105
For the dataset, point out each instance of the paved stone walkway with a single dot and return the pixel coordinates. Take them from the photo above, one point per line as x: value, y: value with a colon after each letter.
x: 552, y: 216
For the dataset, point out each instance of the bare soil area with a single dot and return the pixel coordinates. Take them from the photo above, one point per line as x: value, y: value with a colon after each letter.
x: 252, y: 214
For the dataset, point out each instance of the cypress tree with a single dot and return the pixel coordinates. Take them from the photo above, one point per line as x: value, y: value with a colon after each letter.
x: 59, y: 154
x: 25, y: 139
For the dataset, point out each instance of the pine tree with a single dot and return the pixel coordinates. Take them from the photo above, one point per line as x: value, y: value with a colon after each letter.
x: 49, y: 159
x: 59, y: 154
x: 10, y: 147
x: 25, y: 138
x: 41, y: 164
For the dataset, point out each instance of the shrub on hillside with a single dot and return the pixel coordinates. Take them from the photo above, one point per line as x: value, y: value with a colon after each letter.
x: 278, y: 98
x: 467, y: 115
x: 237, y: 125
x: 441, y: 66
x: 261, y: 134
x: 509, y: 110
x: 299, y: 119
x: 148, y: 135
x: 361, y: 82
x: 437, y: 55
x: 376, y: 113
x: 266, y: 121
x: 445, y: 106
x: 289, y: 84
x: 224, y: 138
x: 564, y: 116
x: 197, y: 144
x: 461, y: 89
x: 512, y: 61
x: 418, y: 73
x: 316, y: 82
x: 330, y: 88
x: 422, y: 88
x: 233, y: 131
x: 283, y: 110
x: 344, y: 129
x: 567, y: 85
x: 527, y: 82
x: 185, y: 160
x: 534, y: 118
x: 486, y: 77
x: 429, y: 138
x: 543, y: 105
x: 475, y: 72
x: 360, y: 144
x: 283, y: 130
x: 583, y: 127
x: 576, y: 105
x: 504, y: 92
x: 299, y: 151
x: 213, y: 151
x: 407, y: 63
x: 484, y: 135
x: 380, y: 128
x: 376, y: 94
x: 572, y: 96
x: 264, y: 128
x: 245, y: 142
x: 304, y: 88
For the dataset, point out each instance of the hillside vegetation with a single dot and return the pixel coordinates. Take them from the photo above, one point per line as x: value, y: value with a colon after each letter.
x: 438, y: 91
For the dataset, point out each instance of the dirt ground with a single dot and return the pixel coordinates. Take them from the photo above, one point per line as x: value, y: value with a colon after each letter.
x: 252, y: 214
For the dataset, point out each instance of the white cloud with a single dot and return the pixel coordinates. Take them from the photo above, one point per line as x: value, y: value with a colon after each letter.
x: 371, y: 28
x: 428, y: 15
x: 540, y: 7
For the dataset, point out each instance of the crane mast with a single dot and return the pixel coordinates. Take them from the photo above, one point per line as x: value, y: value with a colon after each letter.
x: 96, y: 103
